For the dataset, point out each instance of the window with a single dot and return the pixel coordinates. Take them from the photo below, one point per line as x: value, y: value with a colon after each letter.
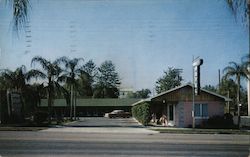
x: 201, y: 110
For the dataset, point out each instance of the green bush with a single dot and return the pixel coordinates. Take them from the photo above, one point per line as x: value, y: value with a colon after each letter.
x: 142, y: 113
x: 220, y: 122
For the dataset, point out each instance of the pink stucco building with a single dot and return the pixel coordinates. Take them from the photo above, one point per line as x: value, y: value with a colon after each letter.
x: 177, y: 105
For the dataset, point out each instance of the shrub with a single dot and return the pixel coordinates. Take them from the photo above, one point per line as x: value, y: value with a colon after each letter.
x: 142, y: 113
x: 220, y: 122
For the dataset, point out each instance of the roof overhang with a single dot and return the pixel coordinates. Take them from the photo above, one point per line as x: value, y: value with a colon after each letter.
x: 226, y: 99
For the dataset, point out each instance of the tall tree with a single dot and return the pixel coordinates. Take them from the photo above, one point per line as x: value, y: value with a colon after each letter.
x: 143, y: 93
x: 241, y: 8
x: 171, y: 78
x: 17, y: 80
x: 238, y: 71
x: 228, y: 88
x: 52, y: 73
x: 87, y: 78
x: 20, y: 12
x: 72, y: 71
x: 107, y: 81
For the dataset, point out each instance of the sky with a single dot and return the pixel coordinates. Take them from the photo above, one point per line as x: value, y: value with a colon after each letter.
x: 141, y: 37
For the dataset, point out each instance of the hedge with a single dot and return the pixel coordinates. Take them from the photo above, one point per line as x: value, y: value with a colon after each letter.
x: 142, y: 113
x: 220, y: 122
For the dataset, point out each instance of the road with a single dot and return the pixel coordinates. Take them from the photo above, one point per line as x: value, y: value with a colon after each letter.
x: 117, y: 137
x: 46, y: 143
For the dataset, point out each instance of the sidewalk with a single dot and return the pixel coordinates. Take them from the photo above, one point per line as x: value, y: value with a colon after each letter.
x: 198, y: 131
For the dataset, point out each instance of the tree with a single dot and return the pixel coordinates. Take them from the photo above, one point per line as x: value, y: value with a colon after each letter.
x: 228, y: 88
x: 238, y: 71
x: 171, y: 79
x: 20, y: 11
x: 144, y: 93
x: 52, y: 73
x: 239, y: 8
x: 71, y: 72
x: 87, y: 78
x: 210, y: 88
x: 17, y: 80
x: 107, y: 81
x: 14, y: 79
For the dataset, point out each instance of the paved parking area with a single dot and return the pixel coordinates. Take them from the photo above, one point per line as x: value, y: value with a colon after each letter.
x: 105, y: 122
x: 102, y: 125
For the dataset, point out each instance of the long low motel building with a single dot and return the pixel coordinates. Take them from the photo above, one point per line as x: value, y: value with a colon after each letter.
x: 90, y: 107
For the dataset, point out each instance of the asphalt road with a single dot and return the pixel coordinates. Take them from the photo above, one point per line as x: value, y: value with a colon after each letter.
x: 46, y: 144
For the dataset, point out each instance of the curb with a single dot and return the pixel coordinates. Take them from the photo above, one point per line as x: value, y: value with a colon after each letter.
x: 138, y: 122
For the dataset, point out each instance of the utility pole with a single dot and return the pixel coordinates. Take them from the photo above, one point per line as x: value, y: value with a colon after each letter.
x: 219, y: 78
x: 248, y: 68
x: 228, y: 104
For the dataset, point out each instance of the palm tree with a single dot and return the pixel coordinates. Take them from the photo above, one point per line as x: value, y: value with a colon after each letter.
x: 71, y: 72
x: 242, y: 8
x: 239, y: 7
x: 238, y: 71
x: 17, y: 81
x: 52, y: 73
x: 20, y: 13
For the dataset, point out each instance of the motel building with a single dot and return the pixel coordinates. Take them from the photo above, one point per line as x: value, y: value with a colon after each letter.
x: 177, y: 104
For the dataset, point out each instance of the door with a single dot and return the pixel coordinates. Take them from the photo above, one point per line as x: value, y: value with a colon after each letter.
x: 171, y: 115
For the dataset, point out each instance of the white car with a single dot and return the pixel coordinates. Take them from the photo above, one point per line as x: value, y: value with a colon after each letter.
x: 118, y: 114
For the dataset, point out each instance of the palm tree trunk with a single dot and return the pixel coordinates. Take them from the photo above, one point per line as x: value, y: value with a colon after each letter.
x: 74, y: 105
x: 71, y: 101
x: 49, y: 106
x: 238, y: 100
x: 50, y: 86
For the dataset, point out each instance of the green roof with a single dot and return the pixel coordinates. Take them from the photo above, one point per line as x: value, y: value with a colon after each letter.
x: 93, y: 102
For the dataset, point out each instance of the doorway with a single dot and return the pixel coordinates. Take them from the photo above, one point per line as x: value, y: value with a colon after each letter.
x: 171, y: 115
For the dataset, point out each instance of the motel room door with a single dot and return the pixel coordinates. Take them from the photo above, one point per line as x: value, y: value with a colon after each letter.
x: 171, y: 115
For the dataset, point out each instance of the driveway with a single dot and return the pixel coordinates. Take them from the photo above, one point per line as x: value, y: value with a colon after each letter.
x: 103, y: 125
x: 105, y: 122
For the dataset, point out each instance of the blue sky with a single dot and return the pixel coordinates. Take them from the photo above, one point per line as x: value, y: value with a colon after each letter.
x: 143, y: 38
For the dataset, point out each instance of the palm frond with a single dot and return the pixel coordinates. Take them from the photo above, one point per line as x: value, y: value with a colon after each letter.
x: 42, y: 61
x: 20, y: 13
x: 62, y: 78
x: 60, y: 60
x: 35, y: 74
x: 237, y: 70
x: 234, y: 65
x: 229, y: 69
x: 239, y: 8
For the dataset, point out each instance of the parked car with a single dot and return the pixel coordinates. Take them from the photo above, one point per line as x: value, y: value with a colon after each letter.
x: 118, y: 114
